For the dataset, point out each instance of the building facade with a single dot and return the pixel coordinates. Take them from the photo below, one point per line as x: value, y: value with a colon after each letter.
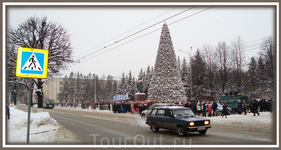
x: 52, y: 88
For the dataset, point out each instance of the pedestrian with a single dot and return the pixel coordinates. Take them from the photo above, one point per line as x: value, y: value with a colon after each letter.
x: 187, y: 104
x: 215, y: 107
x: 255, y: 108
x: 239, y: 107
x: 244, y: 107
x: 224, y: 110
x: 124, y: 107
x: 210, y: 110
x: 199, y: 107
x: 141, y: 108
x: 114, y: 107
x: 204, y: 109
x: 192, y: 107
x: 8, y: 112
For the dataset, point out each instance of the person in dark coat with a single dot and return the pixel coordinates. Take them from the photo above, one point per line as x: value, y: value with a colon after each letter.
x: 239, y: 107
x: 8, y: 112
x: 224, y: 110
x: 204, y: 109
x: 141, y: 108
x: 193, y: 107
x: 255, y: 108
x: 114, y: 107
x: 108, y: 104
x: 215, y: 107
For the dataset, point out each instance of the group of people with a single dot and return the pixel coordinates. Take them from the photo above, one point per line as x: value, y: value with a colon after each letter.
x: 205, y: 108
x: 123, y: 107
x: 261, y: 105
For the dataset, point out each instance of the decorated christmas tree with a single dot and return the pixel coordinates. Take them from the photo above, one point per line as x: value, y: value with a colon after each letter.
x: 166, y: 81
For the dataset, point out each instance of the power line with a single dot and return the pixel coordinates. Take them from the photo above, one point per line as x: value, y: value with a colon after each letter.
x: 126, y: 32
x: 146, y: 34
x: 136, y: 33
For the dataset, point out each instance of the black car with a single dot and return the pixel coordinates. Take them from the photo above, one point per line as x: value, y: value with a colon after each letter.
x: 178, y: 119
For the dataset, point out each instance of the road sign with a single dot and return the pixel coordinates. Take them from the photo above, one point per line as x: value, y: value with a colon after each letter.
x: 32, y: 63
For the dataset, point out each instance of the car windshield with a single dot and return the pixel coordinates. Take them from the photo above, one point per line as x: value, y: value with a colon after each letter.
x: 183, y: 112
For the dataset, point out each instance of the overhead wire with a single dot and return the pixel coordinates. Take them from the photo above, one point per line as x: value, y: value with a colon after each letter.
x: 146, y: 33
x: 136, y: 33
x: 125, y: 32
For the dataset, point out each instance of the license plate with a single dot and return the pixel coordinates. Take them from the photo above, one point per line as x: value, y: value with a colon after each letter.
x: 201, y: 128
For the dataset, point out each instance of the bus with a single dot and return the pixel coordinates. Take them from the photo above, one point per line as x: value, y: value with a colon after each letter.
x: 48, y: 103
x: 232, y: 101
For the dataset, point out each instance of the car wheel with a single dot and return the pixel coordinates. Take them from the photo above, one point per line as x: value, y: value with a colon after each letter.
x: 203, y: 132
x: 220, y: 113
x: 181, y: 131
x: 154, y: 128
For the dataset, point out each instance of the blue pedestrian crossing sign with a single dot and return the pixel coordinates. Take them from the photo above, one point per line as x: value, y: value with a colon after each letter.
x: 32, y: 63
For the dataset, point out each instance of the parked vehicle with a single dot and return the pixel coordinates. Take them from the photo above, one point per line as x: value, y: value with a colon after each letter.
x: 232, y: 101
x: 219, y: 109
x: 146, y: 112
x: 48, y: 103
x: 177, y: 119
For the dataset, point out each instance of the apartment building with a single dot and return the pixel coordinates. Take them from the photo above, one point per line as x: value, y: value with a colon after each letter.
x: 52, y: 88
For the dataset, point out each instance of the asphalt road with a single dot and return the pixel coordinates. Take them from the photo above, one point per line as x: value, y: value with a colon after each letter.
x: 93, y: 128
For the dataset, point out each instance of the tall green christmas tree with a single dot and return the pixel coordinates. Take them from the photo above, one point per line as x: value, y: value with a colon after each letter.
x: 166, y: 81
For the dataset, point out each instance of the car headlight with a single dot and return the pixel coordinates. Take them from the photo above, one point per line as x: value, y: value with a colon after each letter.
x: 206, y: 122
x: 191, y: 124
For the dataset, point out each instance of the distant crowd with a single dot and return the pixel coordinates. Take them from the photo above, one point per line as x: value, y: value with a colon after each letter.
x: 200, y: 108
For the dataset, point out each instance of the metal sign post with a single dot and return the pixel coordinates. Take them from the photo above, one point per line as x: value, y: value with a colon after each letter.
x: 29, y: 107
x: 31, y: 63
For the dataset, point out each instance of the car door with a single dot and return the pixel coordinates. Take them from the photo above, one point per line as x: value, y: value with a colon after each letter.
x: 168, y: 119
x: 159, y: 117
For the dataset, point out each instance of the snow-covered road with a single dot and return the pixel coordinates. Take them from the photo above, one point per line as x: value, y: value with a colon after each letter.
x: 44, y: 129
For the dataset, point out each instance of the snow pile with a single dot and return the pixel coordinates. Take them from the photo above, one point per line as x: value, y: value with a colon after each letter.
x: 43, y: 129
x: 264, y: 119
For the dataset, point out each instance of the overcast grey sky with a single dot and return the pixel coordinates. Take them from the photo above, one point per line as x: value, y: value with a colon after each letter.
x: 92, y: 28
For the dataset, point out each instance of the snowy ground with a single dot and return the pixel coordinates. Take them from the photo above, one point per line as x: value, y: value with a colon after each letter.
x: 44, y: 129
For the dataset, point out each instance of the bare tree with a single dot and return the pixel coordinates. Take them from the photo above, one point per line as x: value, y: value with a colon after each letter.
x: 222, y: 58
x: 208, y: 55
x: 267, y: 65
x: 41, y: 34
x: 238, y: 57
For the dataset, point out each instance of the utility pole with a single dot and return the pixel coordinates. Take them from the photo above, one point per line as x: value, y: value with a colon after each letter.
x: 95, y: 89
x: 190, y: 72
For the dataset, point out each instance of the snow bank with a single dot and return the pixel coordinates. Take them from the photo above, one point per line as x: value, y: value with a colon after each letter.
x: 43, y: 129
x: 264, y: 119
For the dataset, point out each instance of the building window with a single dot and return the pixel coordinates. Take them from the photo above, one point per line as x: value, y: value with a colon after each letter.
x: 60, y: 82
